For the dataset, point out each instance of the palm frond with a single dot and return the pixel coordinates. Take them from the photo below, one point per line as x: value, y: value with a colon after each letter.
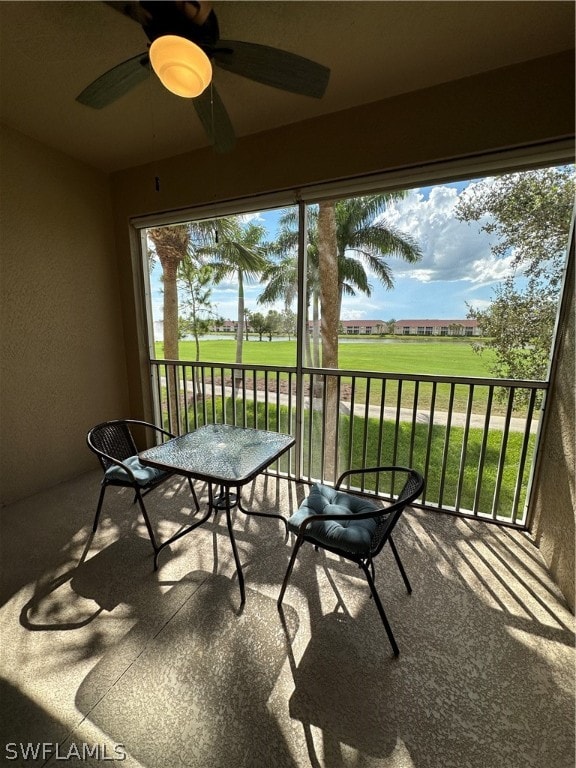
x: 352, y: 271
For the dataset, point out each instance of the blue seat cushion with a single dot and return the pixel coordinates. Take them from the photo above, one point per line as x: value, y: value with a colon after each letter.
x: 144, y: 475
x: 349, y: 535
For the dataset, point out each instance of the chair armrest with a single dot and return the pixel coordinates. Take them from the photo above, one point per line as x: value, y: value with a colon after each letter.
x: 352, y: 516
x: 370, y: 470
x: 112, y: 460
x: 149, y: 426
x: 413, y: 486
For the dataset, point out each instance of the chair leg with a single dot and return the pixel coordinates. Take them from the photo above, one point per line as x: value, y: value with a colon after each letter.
x: 99, y: 507
x: 400, y: 566
x: 380, y: 607
x: 288, y: 573
x: 146, y: 520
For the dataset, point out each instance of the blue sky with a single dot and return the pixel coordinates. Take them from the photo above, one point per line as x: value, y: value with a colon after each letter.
x: 457, y: 267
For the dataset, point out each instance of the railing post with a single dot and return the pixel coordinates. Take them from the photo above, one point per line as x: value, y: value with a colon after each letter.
x: 301, y: 336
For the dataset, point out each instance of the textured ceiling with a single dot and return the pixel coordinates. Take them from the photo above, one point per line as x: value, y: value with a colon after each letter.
x: 51, y: 50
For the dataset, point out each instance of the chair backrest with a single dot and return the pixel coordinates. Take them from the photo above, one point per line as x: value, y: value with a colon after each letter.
x: 413, y: 487
x: 389, y: 516
x: 113, y: 438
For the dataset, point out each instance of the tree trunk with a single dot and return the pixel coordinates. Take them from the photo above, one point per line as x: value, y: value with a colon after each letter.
x: 171, y: 244
x: 307, y: 339
x: 237, y: 377
x: 240, y: 330
x: 170, y: 317
x: 170, y: 325
x: 330, y: 319
x: 315, y: 330
x: 197, y: 392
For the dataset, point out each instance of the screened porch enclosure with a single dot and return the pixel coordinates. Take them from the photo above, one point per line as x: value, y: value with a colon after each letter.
x: 260, y: 276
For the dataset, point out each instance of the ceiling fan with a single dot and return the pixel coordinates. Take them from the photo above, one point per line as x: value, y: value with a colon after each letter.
x: 197, y: 22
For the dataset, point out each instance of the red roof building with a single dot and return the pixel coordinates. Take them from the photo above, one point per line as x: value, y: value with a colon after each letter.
x: 401, y: 327
x: 437, y: 328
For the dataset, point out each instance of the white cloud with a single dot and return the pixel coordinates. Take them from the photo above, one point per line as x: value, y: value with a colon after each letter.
x: 227, y: 309
x: 225, y: 288
x: 457, y: 268
x: 359, y: 308
x: 452, y: 249
x: 480, y: 304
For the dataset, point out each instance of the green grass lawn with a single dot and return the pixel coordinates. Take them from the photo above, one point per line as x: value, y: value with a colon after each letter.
x: 382, y: 355
x: 419, y: 446
x: 448, y: 358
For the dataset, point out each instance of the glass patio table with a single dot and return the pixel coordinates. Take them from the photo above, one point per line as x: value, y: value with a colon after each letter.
x: 225, y: 456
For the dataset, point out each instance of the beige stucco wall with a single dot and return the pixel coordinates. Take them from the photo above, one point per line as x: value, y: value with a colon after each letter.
x: 61, y: 341
x: 527, y: 103
x: 555, y: 491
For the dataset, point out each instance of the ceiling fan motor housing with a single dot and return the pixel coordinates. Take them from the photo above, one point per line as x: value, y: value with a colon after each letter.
x: 172, y: 19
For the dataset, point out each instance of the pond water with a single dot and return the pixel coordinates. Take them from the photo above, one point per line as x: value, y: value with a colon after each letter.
x: 255, y: 337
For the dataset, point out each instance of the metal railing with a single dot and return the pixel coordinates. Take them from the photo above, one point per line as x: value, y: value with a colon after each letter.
x: 474, y: 439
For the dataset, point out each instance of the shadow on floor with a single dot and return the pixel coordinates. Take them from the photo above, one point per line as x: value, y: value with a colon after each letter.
x: 200, y: 686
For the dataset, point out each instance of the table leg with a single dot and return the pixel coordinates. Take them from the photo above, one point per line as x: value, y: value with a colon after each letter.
x: 260, y: 514
x: 234, y: 549
x: 179, y: 535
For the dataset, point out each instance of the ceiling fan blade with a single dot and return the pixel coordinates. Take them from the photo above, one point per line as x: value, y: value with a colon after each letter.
x: 272, y: 66
x: 116, y: 82
x: 215, y: 119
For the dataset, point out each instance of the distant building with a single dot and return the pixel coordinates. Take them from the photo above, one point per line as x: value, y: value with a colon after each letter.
x: 225, y: 326
x: 437, y: 328
x: 348, y: 327
x: 363, y: 327
x: 411, y: 327
x: 377, y: 327
x: 360, y: 327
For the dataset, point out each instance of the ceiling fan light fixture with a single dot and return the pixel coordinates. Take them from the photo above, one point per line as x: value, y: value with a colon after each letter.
x: 181, y: 65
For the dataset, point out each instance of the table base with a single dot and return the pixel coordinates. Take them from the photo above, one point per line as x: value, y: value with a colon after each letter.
x: 226, y: 501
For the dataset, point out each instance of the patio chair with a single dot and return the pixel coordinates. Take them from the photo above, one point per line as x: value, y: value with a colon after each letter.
x: 355, y: 525
x: 114, y: 445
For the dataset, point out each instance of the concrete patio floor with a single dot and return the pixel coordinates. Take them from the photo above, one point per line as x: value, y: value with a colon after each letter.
x: 104, y: 660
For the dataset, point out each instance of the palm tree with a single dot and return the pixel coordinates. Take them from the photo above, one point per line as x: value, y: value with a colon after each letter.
x: 281, y: 277
x: 362, y: 240
x: 240, y: 253
x: 345, y: 237
x: 171, y: 246
x: 351, y: 234
x: 177, y: 247
x: 331, y: 285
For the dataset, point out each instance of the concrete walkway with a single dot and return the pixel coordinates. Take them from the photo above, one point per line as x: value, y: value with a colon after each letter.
x: 458, y: 419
